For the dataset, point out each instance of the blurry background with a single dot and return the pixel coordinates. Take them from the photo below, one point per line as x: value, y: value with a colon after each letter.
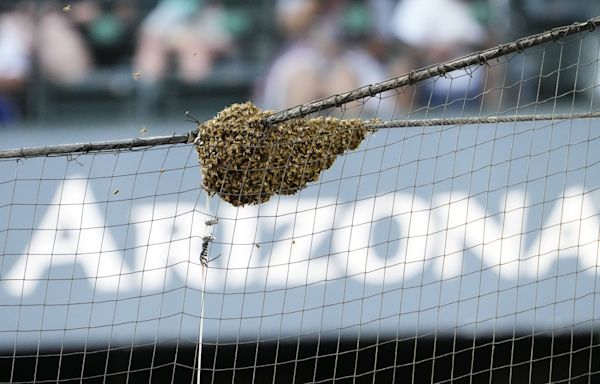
x: 108, y: 69
x: 135, y: 64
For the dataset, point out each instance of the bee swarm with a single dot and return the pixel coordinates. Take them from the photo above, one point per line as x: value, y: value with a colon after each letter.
x: 246, y: 162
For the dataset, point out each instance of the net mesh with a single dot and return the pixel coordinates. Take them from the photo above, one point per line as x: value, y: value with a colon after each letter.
x: 439, y: 252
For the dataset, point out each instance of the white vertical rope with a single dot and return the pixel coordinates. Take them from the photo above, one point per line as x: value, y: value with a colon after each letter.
x: 207, y: 233
x: 204, y: 270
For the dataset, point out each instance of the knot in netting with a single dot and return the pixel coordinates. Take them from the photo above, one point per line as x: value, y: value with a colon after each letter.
x: 246, y: 161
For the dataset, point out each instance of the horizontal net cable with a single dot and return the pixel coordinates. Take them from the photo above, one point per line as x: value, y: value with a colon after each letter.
x: 187, y: 138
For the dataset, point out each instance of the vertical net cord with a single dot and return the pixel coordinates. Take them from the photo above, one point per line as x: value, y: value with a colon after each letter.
x: 413, y: 102
x: 142, y: 279
x: 387, y: 251
x: 504, y: 228
x: 445, y: 258
x: 524, y: 202
x: 592, y: 331
x: 204, y: 273
x: 128, y: 235
x: 561, y: 57
x: 60, y: 206
x: 79, y: 238
x: 162, y: 300
x: 434, y: 177
x: 414, y: 186
x: 14, y: 352
x: 201, y: 327
x: 578, y: 64
x: 179, y: 337
x: 13, y: 368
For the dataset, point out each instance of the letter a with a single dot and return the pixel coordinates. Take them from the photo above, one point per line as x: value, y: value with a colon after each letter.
x: 70, y: 233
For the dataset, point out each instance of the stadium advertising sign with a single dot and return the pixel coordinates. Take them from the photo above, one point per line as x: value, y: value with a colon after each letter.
x: 429, y: 234
x: 491, y: 230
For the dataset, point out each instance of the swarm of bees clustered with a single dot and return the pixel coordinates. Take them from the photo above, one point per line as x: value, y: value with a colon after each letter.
x: 246, y: 161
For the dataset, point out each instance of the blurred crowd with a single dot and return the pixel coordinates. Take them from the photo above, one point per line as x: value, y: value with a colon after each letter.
x: 316, y: 48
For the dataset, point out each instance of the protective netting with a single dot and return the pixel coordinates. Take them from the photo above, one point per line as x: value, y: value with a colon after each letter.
x: 461, y: 248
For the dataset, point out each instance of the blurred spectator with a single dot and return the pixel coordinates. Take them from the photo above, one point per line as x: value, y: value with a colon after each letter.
x: 91, y: 34
x: 438, y: 30
x: 107, y: 26
x: 191, y: 31
x: 16, y: 44
x: 324, y: 54
x: 68, y: 43
x: 445, y: 25
x: 64, y: 56
x: 381, y: 11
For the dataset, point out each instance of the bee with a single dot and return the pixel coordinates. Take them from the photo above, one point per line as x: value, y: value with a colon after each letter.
x: 143, y: 130
x: 204, y: 253
x: 136, y: 75
x: 67, y: 8
x: 116, y: 192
